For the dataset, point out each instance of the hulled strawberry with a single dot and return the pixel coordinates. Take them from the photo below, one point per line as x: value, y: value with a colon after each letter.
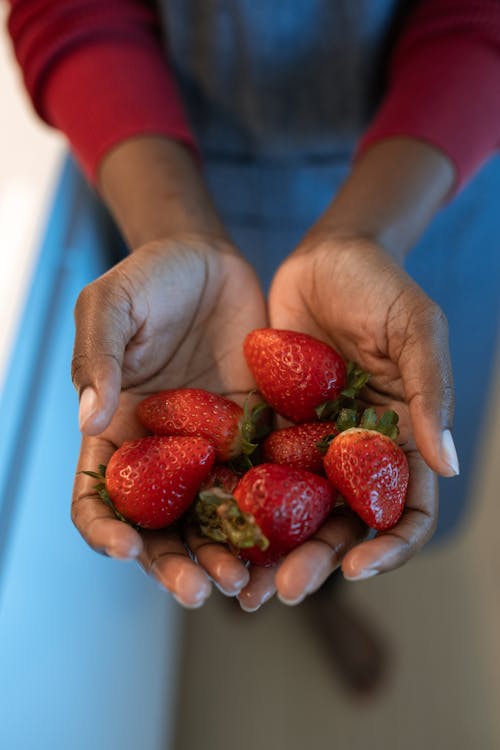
x: 152, y: 481
x: 272, y: 510
x: 295, y: 372
x: 301, y: 446
x: 370, y: 470
x: 193, y: 411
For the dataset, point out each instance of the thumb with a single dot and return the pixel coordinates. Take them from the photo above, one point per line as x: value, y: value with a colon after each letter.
x: 96, y: 368
x: 425, y: 367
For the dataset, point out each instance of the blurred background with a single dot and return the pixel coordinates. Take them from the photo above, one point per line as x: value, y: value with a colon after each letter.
x: 93, y: 654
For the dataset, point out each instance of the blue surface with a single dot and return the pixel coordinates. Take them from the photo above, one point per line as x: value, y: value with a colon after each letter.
x: 88, y: 644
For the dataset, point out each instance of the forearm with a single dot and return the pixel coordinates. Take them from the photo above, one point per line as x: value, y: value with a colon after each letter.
x: 155, y: 189
x: 391, y: 194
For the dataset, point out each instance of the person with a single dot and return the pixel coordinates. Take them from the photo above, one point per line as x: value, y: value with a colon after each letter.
x: 323, y: 139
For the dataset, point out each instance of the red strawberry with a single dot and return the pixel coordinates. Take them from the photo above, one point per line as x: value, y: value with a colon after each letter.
x: 370, y: 471
x: 152, y: 481
x: 297, y: 446
x: 221, y: 476
x: 295, y: 372
x: 273, y: 509
x: 193, y: 411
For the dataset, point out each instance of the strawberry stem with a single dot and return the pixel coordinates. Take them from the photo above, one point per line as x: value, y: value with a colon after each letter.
x: 323, y: 444
x: 387, y: 424
x: 255, y: 425
x: 219, y: 518
x: 101, y: 490
x: 348, y: 398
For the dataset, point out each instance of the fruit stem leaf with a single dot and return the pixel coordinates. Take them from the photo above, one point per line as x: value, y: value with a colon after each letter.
x: 255, y: 425
x: 101, y: 490
x: 348, y: 397
x: 356, y: 380
x: 346, y: 419
x: 387, y: 424
x: 219, y: 518
x: 323, y: 444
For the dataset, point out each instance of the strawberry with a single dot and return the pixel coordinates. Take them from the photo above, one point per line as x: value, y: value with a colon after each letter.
x: 221, y: 476
x: 152, y: 481
x: 299, y: 446
x: 295, y: 372
x: 193, y: 411
x: 272, y: 510
x: 370, y: 470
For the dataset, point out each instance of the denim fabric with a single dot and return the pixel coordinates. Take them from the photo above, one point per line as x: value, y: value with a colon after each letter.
x: 278, y: 79
x: 278, y: 93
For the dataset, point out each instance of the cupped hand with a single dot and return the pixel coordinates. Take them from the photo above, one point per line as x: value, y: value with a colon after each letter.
x: 348, y: 292
x: 172, y: 314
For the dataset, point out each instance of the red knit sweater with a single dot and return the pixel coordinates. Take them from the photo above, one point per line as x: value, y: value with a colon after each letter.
x: 444, y: 84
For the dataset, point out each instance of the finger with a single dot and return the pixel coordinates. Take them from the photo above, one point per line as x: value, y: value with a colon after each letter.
x: 228, y: 573
x: 391, y: 549
x: 425, y: 366
x: 306, y: 568
x: 102, y: 332
x: 259, y: 589
x: 166, y: 559
x: 93, y: 518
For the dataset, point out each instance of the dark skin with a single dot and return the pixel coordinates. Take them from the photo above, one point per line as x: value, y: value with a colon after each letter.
x: 175, y: 312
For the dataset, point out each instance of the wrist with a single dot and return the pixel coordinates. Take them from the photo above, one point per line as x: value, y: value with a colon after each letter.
x: 391, y: 194
x: 155, y: 190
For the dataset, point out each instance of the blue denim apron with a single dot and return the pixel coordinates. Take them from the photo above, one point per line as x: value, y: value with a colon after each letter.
x: 278, y: 92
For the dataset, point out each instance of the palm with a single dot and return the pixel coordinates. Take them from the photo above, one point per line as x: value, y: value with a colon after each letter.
x: 189, y: 318
x: 182, y: 312
x: 357, y: 305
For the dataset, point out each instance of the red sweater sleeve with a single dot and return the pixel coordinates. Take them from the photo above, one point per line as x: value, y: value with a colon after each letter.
x: 97, y: 71
x: 444, y: 83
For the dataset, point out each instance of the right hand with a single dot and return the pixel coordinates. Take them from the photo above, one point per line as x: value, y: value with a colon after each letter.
x: 173, y: 314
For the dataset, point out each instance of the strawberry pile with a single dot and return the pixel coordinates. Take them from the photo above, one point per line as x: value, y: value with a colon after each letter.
x: 263, y: 493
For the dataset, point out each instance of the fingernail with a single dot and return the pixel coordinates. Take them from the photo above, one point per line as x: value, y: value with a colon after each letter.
x: 362, y: 575
x: 88, y: 405
x: 449, y: 453
x: 134, y: 551
x: 249, y: 609
x: 233, y: 590
x: 198, y: 602
x: 291, y: 602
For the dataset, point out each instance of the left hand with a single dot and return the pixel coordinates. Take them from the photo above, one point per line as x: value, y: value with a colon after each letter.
x: 348, y: 292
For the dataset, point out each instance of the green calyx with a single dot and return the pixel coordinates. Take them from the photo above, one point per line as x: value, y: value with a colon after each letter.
x: 323, y: 444
x: 387, y: 424
x: 347, y: 399
x: 101, y: 490
x: 255, y: 426
x: 219, y: 518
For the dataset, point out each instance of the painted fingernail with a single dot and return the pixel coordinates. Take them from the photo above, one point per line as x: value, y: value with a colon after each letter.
x: 449, y: 453
x: 134, y: 551
x: 291, y: 602
x: 196, y: 603
x: 362, y: 575
x: 249, y: 609
x: 229, y: 590
x: 88, y: 405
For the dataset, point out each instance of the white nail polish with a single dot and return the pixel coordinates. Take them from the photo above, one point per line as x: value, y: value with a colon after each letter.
x: 291, y: 602
x: 449, y: 453
x: 250, y: 610
x: 362, y: 575
x: 199, y: 602
x: 88, y: 405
